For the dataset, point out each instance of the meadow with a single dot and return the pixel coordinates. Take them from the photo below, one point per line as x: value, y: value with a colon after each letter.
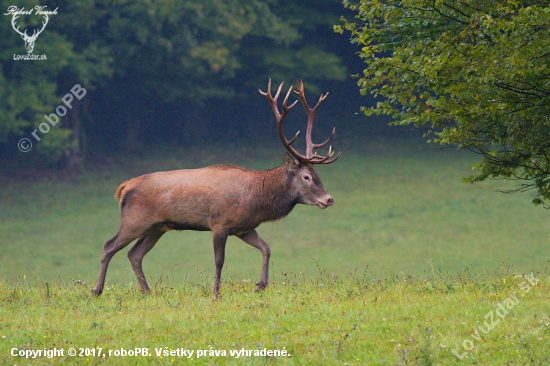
x: 403, y: 269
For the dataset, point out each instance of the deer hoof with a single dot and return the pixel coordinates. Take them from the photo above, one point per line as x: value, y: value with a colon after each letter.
x: 260, y: 286
x: 95, y: 292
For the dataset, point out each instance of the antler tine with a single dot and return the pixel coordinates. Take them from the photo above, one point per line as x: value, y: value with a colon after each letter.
x: 331, y: 160
x: 280, y: 117
x: 302, y: 95
x: 286, y: 99
x: 273, y: 100
x: 322, y: 144
x: 270, y: 98
x: 324, y: 159
x: 294, y: 138
x: 268, y: 89
x: 330, y: 153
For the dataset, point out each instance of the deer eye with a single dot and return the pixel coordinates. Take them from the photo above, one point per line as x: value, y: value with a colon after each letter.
x: 307, y: 178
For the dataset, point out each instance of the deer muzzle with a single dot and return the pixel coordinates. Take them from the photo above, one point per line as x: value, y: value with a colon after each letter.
x: 324, y: 202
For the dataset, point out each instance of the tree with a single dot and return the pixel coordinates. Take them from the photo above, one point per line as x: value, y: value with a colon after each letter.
x: 193, y: 52
x: 289, y: 43
x: 477, y: 72
x: 151, y: 66
x: 30, y: 90
x: 27, y: 88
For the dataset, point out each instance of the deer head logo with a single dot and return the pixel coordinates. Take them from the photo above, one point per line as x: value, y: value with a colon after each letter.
x: 29, y: 40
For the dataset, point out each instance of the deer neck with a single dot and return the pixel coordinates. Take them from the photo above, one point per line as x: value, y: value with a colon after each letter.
x: 276, y: 199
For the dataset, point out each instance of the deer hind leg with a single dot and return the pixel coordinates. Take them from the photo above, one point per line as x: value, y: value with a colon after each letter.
x: 252, y: 238
x: 110, y: 248
x: 138, y: 251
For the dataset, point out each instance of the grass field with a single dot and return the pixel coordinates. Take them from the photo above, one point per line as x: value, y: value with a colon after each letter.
x: 401, y: 270
x: 318, y: 322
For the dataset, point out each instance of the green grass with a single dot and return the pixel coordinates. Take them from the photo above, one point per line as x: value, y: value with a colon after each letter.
x: 318, y: 322
x: 398, y: 211
x: 380, y: 272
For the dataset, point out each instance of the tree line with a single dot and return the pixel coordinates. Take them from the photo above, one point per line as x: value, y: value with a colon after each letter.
x: 151, y: 68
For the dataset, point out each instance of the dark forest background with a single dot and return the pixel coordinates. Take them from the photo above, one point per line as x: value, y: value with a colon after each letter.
x: 163, y: 74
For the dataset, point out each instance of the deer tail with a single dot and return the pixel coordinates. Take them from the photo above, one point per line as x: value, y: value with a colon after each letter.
x: 119, y: 190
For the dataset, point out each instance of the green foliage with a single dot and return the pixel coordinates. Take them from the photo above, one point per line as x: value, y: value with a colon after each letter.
x: 141, y: 54
x: 268, y: 52
x: 31, y: 89
x: 196, y: 49
x: 27, y: 89
x: 477, y: 72
x: 178, y: 49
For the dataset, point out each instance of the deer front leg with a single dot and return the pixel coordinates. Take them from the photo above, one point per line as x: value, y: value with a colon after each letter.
x: 219, y: 256
x: 252, y: 238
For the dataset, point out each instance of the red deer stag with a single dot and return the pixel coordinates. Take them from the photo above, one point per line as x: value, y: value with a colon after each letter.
x: 224, y: 199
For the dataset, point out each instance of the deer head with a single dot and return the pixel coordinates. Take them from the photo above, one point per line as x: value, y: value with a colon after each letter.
x: 29, y: 40
x: 304, y: 180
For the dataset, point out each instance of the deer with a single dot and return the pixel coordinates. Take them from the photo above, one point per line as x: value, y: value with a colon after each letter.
x: 224, y: 199
x: 29, y: 40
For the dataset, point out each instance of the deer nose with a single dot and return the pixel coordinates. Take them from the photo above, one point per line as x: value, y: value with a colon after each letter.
x: 330, y: 201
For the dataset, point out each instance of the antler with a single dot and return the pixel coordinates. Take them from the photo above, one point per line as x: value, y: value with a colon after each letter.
x: 281, y: 117
x: 310, y: 157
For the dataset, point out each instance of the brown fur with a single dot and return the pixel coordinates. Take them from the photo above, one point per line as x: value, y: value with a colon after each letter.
x: 224, y: 199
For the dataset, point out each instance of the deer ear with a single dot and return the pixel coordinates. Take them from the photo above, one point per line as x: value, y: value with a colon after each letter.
x: 289, y: 162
